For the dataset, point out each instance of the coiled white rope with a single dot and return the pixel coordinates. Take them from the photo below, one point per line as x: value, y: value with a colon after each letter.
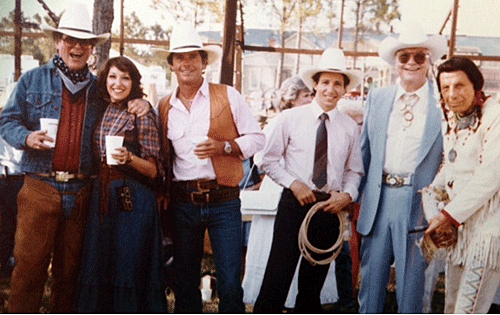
x: 306, y: 248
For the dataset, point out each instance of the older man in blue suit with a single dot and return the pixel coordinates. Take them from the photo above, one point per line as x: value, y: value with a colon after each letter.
x: 401, y: 145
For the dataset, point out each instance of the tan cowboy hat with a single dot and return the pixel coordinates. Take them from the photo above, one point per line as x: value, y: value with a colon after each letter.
x: 412, y: 36
x: 332, y: 60
x: 75, y: 22
x: 185, y: 39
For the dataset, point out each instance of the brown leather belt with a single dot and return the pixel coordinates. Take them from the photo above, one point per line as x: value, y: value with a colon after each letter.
x: 11, y: 176
x: 61, y: 176
x: 200, y: 184
x: 203, y: 192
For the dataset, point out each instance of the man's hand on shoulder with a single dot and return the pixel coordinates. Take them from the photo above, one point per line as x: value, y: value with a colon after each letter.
x: 302, y: 192
x: 139, y: 107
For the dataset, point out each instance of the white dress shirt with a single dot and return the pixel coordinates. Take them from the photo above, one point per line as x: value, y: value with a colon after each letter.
x: 183, y: 125
x: 403, y: 143
x: 292, y: 138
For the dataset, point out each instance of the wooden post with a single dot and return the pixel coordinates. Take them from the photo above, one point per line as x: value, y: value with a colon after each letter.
x: 445, y: 22
x: 227, y: 66
x: 122, y: 48
x: 17, y: 40
x: 239, y: 59
x: 453, y: 29
x: 341, y: 25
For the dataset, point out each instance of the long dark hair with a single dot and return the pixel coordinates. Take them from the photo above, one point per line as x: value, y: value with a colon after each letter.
x: 475, y: 76
x: 462, y: 64
x: 125, y: 65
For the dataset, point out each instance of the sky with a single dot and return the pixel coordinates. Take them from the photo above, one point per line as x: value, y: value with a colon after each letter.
x: 475, y: 18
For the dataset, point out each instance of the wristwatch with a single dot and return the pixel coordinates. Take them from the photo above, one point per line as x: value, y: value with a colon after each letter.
x: 227, y: 147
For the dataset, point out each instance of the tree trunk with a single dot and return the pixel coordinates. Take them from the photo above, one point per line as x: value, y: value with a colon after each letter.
x: 279, y: 72
x: 299, y: 40
x: 102, y: 22
x: 356, y: 30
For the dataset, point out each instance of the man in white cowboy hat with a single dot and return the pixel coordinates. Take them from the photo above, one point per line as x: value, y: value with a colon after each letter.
x: 322, y: 162
x: 52, y: 203
x: 208, y: 130
x: 401, y: 145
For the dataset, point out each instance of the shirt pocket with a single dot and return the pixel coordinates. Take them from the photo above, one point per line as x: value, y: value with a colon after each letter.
x: 179, y: 141
x: 39, y: 105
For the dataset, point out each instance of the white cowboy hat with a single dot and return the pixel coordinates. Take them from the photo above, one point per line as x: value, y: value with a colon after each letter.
x: 185, y: 39
x: 332, y: 60
x: 75, y: 22
x: 412, y: 36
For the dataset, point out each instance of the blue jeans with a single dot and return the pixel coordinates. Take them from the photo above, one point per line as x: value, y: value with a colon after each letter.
x: 223, y: 221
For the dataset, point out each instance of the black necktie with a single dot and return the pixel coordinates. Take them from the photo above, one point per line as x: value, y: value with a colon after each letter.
x: 320, y: 155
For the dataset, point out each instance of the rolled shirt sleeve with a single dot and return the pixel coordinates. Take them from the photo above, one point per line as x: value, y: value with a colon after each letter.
x: 251, y: 139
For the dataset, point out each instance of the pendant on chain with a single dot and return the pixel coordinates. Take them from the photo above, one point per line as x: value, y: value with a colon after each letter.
x: 452, y: 155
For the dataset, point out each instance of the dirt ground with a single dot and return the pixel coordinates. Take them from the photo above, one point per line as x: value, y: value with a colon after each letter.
x: 212, y: 306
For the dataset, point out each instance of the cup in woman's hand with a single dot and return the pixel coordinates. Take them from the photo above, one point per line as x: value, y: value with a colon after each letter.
x: 112, y: 143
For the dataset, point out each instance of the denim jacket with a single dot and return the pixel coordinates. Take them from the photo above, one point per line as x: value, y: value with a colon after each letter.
x: 38, y: 94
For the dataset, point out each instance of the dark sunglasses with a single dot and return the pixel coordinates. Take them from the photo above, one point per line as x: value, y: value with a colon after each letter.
x: 419, y: 57
x: 72, y: 41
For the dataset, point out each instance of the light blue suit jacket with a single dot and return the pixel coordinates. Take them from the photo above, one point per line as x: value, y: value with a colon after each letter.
x: 373, y: 141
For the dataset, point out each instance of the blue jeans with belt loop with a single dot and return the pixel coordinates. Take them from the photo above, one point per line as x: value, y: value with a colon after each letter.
x: 223, y: 221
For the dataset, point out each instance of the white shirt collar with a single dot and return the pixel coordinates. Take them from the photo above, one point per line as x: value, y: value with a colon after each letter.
x: 422, y: 92
x: 317, y: 111
x: 203, y: 91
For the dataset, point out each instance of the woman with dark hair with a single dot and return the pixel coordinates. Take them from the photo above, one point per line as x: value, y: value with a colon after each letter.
x: 462, y: 204
x: 122, y: 267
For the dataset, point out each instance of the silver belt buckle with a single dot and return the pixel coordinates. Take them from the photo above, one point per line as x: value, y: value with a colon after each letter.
x: 394, y: 181
x: 62, y: 176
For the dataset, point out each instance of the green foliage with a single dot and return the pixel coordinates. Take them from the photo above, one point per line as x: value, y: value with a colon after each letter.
x: 197, y: 11
x: 42, y: 49
x: 382, y: 12
x: 373, y: 14
x: 134, y: 28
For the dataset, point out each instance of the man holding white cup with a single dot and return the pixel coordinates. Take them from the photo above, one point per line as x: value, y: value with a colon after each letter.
x: 204, y: 190
x: 52, y: 204
x: 50, y: 125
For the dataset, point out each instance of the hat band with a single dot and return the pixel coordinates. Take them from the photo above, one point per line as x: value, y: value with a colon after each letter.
x: 187, y: 46
x: 75, y: 29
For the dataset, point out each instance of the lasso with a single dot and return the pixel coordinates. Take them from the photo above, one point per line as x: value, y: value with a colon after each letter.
x: 306, y: 248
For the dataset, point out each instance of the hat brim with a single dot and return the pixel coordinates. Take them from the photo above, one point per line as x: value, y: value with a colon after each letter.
x: 436, y: 44
x: 353, y: 75
x: 75, y: 33
x: 214, y: 52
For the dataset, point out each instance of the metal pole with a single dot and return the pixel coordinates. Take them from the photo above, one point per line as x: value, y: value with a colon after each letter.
x: 453, y: 29
x: 121, y: 28
x: 227, y: 67
x: 445, y: 22
x: 341, y: 26
x: 17, y: 40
